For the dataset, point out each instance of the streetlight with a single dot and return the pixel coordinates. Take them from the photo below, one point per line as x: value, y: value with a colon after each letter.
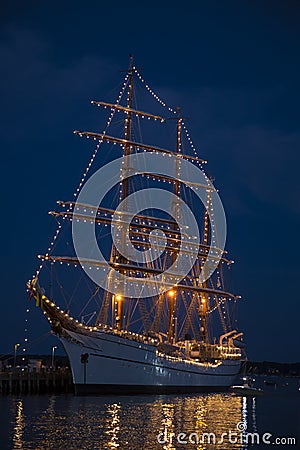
x: 52, y: 360
x: 15, y: 354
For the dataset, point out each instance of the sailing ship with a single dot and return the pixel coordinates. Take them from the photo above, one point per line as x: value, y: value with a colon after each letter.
x: 147, y: 327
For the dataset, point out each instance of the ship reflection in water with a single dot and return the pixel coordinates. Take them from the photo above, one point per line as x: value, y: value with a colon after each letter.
x: 140, y: 422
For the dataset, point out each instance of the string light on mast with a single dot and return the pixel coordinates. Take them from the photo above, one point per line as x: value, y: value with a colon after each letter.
x: 50, y: 248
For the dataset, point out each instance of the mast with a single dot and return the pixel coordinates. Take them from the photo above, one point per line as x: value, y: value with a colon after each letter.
x: 172, y: 294
x: 125, y: 183
x: 203, y: 309
x: 119, y: 299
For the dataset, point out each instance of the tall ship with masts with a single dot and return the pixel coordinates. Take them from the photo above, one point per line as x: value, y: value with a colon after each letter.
x: 133, y: 281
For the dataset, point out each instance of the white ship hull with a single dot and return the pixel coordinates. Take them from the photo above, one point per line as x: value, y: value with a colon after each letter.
x: 119, y: 365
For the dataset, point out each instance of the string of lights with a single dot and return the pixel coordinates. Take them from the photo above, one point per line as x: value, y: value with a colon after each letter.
x: 113, y: 110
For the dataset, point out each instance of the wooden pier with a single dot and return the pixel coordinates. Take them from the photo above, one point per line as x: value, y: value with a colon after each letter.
x: 36, y: 382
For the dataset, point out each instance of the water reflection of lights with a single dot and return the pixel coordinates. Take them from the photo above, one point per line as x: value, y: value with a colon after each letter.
x: 249, y: 413
x: 113, y: 425
x: 50, y: 411
x: 198, y: 416
x: 167, y: 423
x: 254, y: 414
x: 135, y: 423
x: 19, y: 426
x: 244, y: 415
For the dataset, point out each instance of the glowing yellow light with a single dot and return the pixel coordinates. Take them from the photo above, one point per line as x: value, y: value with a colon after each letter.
x: 118, y: 297
x: 171, y: 293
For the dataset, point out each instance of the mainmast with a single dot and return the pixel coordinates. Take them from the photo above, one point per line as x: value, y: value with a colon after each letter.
x: 125, y: 183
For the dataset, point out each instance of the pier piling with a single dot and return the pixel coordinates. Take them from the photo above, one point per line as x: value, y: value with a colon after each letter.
x: 33, y: 382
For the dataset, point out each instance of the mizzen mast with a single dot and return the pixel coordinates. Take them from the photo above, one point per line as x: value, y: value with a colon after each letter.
x: 204, y: 307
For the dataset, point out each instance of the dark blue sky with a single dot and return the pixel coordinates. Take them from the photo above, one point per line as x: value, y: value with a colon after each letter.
x: 232, y: 66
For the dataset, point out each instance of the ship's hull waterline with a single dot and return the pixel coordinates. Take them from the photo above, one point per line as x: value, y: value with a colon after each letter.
x: 115, y: 365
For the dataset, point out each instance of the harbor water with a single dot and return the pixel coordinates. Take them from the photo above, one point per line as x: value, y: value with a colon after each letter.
x: 202, y: 421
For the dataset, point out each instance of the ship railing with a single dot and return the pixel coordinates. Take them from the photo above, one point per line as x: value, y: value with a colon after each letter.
x: 214, y: 351
x: 129, y: 335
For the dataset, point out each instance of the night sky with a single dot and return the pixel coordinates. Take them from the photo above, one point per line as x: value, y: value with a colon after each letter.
x: 234, y: 69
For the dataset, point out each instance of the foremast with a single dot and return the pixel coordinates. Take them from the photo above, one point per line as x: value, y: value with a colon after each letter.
x: 118, y: 299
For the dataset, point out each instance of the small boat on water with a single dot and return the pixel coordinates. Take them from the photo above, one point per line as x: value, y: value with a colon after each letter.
x: 247, y: 388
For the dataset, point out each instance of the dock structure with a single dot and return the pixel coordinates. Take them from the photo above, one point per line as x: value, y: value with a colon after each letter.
x: 36, y: 382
